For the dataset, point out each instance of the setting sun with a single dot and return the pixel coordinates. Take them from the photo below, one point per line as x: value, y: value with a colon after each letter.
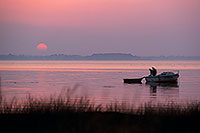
x: 42, y: 47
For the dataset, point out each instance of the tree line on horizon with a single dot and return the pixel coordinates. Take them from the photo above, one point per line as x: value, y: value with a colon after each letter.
x: 97, y: 56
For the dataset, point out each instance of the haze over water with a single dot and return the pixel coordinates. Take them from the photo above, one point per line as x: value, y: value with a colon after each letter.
x: 101, y: 81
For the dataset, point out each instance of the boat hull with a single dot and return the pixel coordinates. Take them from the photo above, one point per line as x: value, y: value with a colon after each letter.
x: 167, y: 84
x: 133, y: 81
x: 162, y: 79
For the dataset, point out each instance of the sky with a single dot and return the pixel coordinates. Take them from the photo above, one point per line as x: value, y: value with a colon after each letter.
x: 84, y: 27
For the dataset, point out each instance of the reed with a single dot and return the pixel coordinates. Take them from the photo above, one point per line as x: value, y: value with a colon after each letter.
x: 63, y: 104
x: 67, y: 114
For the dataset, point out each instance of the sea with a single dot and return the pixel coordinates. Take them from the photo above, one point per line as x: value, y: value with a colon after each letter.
x: 99, y: 81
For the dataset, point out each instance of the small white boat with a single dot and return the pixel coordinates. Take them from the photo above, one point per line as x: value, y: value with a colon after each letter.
x: 164, y: 77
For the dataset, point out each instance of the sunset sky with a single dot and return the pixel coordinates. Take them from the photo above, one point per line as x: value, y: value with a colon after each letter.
x: 139, y: 27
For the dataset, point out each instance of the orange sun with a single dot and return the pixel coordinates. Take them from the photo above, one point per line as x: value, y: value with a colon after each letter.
x: 42, y: 47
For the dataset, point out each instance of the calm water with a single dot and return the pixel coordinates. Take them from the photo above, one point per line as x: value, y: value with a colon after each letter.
x: 101, y: 81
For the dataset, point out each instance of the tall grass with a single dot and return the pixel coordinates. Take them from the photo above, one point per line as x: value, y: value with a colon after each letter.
x: 61, y: 104
x: 64, y: 103
x: 64, y: 113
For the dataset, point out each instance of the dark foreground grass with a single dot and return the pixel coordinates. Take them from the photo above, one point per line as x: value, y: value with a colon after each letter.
x: 59, y: 115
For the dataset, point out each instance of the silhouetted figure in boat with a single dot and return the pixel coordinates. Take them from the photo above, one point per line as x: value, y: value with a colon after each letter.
x: 153, y: 71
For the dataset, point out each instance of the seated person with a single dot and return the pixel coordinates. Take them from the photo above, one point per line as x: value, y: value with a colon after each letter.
x: 153, y: 71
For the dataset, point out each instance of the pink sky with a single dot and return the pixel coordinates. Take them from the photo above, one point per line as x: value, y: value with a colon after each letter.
x: 94, y: 12
x: 142, y: 19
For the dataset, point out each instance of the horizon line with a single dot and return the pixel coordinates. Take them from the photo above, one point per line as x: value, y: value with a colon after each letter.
x: 62, y: 54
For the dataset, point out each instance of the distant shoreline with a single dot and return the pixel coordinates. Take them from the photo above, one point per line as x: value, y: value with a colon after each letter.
x: 99, y: 57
